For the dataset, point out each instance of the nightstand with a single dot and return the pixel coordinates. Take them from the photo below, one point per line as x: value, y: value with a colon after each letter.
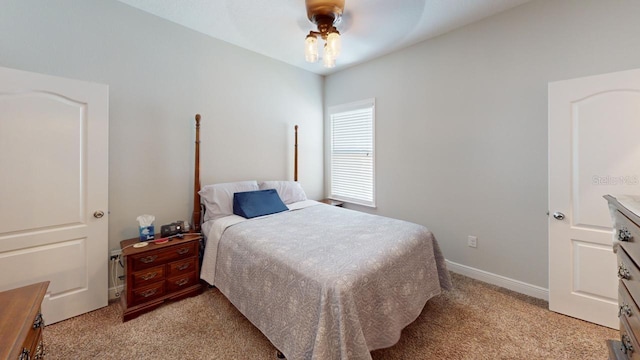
x: 159, y: 272
x: 332, y: 202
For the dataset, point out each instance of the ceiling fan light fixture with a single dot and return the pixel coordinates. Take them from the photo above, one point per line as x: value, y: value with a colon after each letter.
x: 325, y: 14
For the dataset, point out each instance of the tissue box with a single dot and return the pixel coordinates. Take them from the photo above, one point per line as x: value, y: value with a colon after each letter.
x: 147, y: 233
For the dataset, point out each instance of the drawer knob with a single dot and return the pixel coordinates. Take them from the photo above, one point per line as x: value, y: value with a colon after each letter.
x: 24, y: 355
x: 624, y: 309
x: 182, y: 251
x: 626, y: 347
x: 624, y: 234
x: 149, y: 292
x: 149, y: 276
x: 183, y: 266
x: 623, y: 272
x: 182, y: 282
x: 149, y: 259
x: 40, y: 351
x: 38, y: 322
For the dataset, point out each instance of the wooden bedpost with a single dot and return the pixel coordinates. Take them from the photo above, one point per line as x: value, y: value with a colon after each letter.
x: 195, y: 218
x: 295, y: 155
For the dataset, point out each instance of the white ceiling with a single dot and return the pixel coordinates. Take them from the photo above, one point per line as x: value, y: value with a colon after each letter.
x: 277, y: 28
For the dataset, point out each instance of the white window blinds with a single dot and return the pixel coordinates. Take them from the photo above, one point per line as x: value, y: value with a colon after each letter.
x: 352, y: 153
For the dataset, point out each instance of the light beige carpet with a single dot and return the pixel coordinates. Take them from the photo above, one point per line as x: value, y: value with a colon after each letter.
x: 473, y: 321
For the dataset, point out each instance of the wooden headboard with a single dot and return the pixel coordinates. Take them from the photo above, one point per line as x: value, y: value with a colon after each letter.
x: 196, y: 217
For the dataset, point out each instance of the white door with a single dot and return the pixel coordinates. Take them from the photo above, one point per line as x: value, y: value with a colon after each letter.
x: 53, y: 177
x: 594, y: 127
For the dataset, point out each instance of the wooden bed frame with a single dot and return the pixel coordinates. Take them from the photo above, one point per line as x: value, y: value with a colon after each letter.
x: 196, y: 217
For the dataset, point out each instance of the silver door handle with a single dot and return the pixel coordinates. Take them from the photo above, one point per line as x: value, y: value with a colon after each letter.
x: 98, y: 214
x: 558, y: 215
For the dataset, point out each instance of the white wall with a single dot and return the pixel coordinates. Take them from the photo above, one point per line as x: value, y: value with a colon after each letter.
x: 461, y: 124
x: 160, y: 75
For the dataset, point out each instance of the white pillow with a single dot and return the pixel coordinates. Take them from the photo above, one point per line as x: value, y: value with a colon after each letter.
x: 218, y: 198
x: 289, y: 191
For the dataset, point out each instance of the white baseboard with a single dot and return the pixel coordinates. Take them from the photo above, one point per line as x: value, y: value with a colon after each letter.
x: 491, y: 278
x: 499, y: 280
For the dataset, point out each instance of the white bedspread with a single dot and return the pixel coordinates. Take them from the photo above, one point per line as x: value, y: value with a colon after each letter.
x: 324, y: 282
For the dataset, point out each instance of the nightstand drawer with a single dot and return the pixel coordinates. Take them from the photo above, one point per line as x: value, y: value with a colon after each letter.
x: 182, y: 267
x: 181, y: 282
x: 147, y: 293
x: 153, y: 258
x: 148, y: 276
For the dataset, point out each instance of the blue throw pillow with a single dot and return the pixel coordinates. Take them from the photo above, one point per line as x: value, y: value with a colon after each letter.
x: 250, y: 204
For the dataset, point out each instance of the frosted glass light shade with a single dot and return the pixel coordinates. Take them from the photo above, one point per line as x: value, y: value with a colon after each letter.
x: 334, y: 43
x: 328, y: 60
x: 311, y: 49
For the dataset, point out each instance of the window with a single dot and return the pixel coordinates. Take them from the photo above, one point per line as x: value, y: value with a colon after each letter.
x: 352, y: 156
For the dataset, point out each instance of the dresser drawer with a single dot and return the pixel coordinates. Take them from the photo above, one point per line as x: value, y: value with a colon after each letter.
x: 147, y: 293
x: 148, y: 276
x: 629, y: 235
x: 153, y: 258
x: 181, y: 282
x: 629, y: 310
x: 182, y: 267
x: 630, y: 344
x: 33, y: 342
x: 629, y: 275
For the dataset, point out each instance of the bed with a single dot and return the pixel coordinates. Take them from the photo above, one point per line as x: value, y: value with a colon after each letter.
x: 319, y: 281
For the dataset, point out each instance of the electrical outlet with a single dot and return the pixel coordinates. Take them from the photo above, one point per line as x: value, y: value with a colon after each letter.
x: 472, y: 241
x: 114, y: 254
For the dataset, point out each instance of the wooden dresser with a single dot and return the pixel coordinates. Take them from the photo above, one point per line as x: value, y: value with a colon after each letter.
x: 159, y: 272
x: 626, y: 222
x: 21, y: 322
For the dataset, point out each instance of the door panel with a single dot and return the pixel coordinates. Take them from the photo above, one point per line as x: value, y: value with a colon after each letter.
x: 589, y: 280
x: 592, y: 152
x: 70, y: 266
x: 600, y: 132
x: 54, y: 140
x: 53, y: 200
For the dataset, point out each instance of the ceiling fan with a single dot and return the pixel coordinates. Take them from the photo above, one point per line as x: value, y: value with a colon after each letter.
x: 325, y: 14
